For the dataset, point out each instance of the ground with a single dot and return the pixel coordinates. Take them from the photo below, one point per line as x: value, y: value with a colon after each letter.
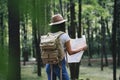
x: 28, y: 72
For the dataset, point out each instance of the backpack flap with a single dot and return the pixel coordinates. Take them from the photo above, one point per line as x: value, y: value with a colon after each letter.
x: 48, y: 42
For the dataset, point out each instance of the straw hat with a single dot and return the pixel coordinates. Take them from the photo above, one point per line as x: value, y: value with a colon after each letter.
x: 57, y: 19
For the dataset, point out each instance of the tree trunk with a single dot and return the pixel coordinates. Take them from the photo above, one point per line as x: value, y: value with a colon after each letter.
x: 61, y: 9
x: 118, y: 36
x: 118, y: 43
x: 89, y: 45
x: 3, y: 56
x: 102, y: 43
x: 36, y: 36
x: 109, y: 35
x: 1, y: 30
x: 24, y: 44
x: 1, y: 34
x: 74, y: 73
x: 72, y: 19
x: 14, y: 41
x: 79, y: 19
x: 37, y: 42
x: 114, y: 38
x: 103, y: 54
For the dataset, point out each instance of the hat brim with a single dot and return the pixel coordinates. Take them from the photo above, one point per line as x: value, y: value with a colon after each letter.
x: 55, y: 23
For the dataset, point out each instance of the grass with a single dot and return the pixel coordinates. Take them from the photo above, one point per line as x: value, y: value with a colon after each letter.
x: 29, y: 72
x: 94, y: 72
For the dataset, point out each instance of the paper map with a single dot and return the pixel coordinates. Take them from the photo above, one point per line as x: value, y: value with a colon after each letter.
x: 75, y: 43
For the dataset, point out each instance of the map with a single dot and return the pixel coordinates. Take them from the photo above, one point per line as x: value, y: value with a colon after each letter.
x: 76, y: 43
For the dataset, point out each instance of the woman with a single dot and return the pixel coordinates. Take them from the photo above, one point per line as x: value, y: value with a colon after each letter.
x: 58, y: 24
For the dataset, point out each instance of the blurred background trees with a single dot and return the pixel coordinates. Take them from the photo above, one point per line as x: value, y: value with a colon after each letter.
x: 22, y: 23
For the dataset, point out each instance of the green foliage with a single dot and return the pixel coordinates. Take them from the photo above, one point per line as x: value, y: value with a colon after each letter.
x: 91, y: 2
x: 42, y: 12
x: 3, y: 6
x: 3, y: 62
x: 93, y: 11
x: 25, y: 7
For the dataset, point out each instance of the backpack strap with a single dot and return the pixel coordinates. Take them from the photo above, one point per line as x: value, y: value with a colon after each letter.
x: 66, y: 58
x: 59, y: 33
x: 51, y: 66
x: 60, y: 66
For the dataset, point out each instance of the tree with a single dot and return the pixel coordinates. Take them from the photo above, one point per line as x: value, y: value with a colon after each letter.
x: 14, y: 41
x: 71, y: 30
x: 61, y: 11
x: 72, y: 33
x: 114, y: 38
x: 24, y: 17
x: 36, y: 35
x: 89, y: 44
x: 118, y: 34
x: 79, y: 19
x: 1, y: 29
x: 103, y: 31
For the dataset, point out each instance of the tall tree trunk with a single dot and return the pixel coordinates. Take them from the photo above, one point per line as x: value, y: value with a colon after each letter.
x: 14, y: 41
x: 89, y: 45
x: 1, y: 30
x: 3, y: 56
x: 107, y: 27
x: 118, y: 52
x: 102, y: 42
x: 37, y: 42
x: 36, y: 35
x: 61, y: 9
x: 118, y: 35
x: 79, y: 19
x: 72, y: 19
x: 25, y: 48
x: 103, y: 54
x: 1, y: 35
x: 104, y: 46
x: 97, y: 39
x: 79, y: 32
x: 109, y: 35
x: 114, y: 38
x: 33, y: 38
x: 118, y: 44
x: 72, y: 33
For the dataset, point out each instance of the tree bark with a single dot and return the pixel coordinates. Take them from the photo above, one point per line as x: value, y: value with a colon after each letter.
x: 89, y: 45
x: 36, y: 36
x: 14, y: 41
x: 72, y: 31
x: 61, y: 9
x: 1, y: 29
x: 103, y: 54
x: 114, y: 39
x: 118, y: 35
x: 79, y: 19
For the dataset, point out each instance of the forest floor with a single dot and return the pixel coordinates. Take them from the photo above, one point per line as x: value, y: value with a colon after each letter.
x: 93, y: 72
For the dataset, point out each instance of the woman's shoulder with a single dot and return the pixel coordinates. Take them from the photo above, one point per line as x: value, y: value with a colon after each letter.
x: 65, y: 36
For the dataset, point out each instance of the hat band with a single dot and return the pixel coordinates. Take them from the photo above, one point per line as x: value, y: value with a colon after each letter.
x: 57, y: 20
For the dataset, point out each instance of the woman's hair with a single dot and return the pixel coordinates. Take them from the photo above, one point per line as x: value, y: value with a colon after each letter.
x: 58, y: 27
